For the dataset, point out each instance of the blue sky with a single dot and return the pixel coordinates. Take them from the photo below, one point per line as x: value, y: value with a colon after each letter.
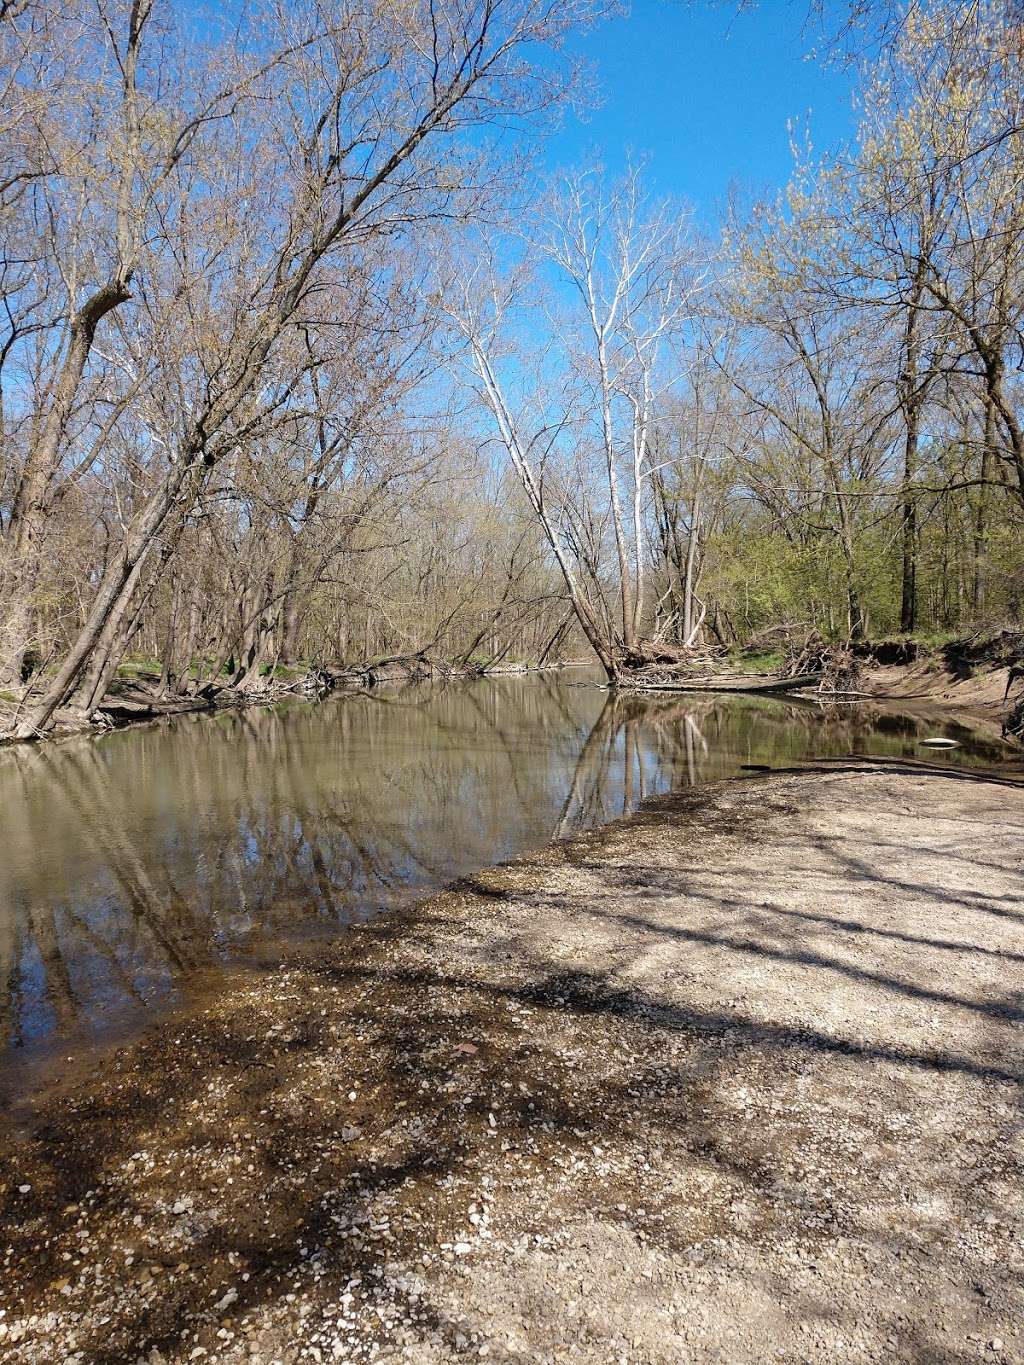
x: 705, y: 93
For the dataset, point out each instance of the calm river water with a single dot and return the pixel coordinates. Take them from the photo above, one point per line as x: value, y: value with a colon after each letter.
x: 133, y: 863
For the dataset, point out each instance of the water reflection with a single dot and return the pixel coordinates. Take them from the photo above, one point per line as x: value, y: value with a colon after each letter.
x: 131, y: 862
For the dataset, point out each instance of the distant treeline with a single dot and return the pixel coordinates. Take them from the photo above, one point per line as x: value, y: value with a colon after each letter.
x: 295, y: 368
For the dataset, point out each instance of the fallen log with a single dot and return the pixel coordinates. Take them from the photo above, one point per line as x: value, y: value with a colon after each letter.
x: 120, y: 710
x: 724, y: 683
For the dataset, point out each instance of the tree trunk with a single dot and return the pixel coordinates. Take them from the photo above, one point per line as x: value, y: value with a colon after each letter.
x: 640, y: 462
x: 584, y: 614
x: 908, y: 603
x: 115, y: 589
x: 979, y: 582
x: 912, y: 399
x: 121, y: 626
x: 33, y: 494
x: 107, y: 653
x: 689, y: 585
x: 628, y: 633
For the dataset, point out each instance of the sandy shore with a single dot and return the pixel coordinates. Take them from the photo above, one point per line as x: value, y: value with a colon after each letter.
x: 738, y: 1079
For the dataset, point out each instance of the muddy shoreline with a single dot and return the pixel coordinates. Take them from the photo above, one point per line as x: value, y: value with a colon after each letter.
x: 738, y: 1078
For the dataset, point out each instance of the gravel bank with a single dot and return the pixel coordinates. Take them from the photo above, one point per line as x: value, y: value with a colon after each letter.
x: 737, y: 1079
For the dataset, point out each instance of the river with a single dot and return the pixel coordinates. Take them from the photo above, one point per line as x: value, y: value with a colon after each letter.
x: 134, y: 864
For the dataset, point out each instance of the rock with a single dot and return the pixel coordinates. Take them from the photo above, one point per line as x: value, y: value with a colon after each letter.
x: 351, y: 1134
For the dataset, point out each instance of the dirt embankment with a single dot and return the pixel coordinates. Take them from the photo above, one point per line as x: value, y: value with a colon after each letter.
x: 738, y: 1080
x: 970, y: 675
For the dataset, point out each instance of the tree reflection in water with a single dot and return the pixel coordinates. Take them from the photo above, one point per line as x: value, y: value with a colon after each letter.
x: 131, y: 862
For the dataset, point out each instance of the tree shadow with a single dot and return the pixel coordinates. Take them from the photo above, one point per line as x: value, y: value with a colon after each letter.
x: 477, y: 1053
x: 564, y: 1058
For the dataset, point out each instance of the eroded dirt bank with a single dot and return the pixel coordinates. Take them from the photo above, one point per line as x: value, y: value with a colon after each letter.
x: 738, y: 1079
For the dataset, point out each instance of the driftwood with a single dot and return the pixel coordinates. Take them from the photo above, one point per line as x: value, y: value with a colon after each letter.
x: 653, y: 664
x: 136, y: 701
x: 727, y: 683
x: 418, y: 664
x: 836, y: 666
x: 133, y: 708
x: 655, y: 653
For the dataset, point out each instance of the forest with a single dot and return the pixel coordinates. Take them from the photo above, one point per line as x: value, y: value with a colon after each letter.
x: 304, y: 363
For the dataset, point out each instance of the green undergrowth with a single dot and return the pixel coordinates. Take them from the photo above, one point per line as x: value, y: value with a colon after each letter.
x: 759, y: 661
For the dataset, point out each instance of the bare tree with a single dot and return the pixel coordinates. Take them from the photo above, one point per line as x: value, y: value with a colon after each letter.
x: 625, y: 271
x: 354, y: 137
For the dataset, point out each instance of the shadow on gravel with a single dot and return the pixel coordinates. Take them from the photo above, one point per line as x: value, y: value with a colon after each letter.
x: 563, y: 1088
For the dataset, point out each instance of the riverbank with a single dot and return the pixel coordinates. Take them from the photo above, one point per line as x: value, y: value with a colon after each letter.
x: 136, y: 698
x: 961, y: 681
x: 966, y: 675
x: 737, y: 1079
